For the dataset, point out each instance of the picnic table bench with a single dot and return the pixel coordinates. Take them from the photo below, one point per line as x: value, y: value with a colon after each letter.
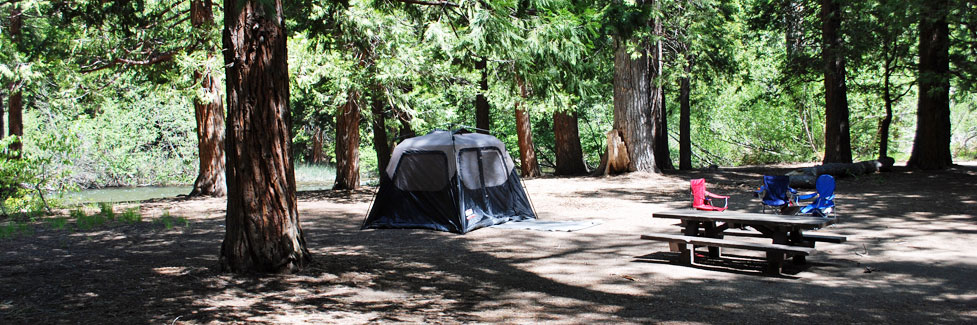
x: 708, y: 228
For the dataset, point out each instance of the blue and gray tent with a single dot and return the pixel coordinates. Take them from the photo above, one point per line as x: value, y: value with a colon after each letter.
x: 449, y: 181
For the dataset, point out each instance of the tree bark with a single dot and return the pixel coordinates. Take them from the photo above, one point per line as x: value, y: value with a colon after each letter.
x: 15, y: 121
x: 837, y: 136
x: 887, y: 119
x: 684, y: 123
x: 263, y: 233
x: 931, y: 148
x: 380, y: 144
x: 529, y: 166
x: 209, y: 112
x: 348, y: 144
x: 317, y: 154
x: 637, y: 100
x: 483, y: 118
x: 663, y: 157
x: 569, y: 154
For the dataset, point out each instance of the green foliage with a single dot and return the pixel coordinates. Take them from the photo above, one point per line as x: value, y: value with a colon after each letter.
x: 168, y: 221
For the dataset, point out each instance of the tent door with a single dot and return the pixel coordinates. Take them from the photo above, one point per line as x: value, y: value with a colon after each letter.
x: 482, y: 172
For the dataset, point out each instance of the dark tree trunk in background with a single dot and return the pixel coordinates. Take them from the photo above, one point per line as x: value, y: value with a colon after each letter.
x: 262, y: 223
x: 209, y: 112
x: 663, y: 157
x: 405, y: 129
x: 527, y: 154
x: 317, y: 155
x: 837, y: 137
x: 16, y: 105
x: 2, y: 111
x: 931, y: 148
x: 380, y: 144
x: 684, y: 122
x: 483, y: 118
x: 569, y: 154
x: 887, y: 119
x: 637, y: 100
x: 348, y: 145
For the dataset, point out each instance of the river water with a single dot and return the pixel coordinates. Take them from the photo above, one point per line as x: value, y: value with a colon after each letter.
x: 124, y: 194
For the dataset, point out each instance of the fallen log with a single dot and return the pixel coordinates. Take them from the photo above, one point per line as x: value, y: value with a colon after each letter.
x: 805, y: 177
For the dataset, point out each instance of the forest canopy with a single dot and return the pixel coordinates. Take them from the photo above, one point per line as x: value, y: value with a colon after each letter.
x: 107, y: 91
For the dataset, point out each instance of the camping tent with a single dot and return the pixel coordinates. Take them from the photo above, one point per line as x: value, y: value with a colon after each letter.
x: 449, y: 181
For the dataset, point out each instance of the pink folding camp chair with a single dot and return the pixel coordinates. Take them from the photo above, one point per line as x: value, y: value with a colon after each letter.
x: 702, y: 199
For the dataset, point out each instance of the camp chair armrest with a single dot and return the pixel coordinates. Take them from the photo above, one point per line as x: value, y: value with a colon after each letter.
x: 792, y: 190
x: 807, y: 196
x: 710, y: 194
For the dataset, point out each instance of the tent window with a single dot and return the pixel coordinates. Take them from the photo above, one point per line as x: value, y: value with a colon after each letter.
x: 492, y: 168
x: 422, y: 171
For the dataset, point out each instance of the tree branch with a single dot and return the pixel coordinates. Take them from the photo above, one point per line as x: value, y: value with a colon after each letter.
x: 163, y: 57
x: 429, y: 3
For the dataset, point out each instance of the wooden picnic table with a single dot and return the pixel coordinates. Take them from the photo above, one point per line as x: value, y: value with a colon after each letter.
x: 708, y: 228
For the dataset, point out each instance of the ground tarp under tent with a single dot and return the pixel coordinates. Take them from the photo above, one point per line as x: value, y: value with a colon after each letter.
x: 449, y: 181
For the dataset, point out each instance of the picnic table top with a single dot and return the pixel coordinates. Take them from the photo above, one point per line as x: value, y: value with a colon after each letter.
x: 746, y: 218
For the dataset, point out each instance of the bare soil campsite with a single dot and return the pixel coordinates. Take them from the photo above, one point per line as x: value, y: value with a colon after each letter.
x: 909, y: 259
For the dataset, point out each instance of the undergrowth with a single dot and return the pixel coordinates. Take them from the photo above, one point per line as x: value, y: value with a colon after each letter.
x: 79, y: 220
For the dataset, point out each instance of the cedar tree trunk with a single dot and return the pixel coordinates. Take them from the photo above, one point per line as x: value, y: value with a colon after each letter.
x: 263, y: 231
x: 380, y: 131
x: 637, y: 100
x: 527, y: 154
x: 887, y: 119
x: 482, y: 111
x: 837, y: 137
x: 569, y: 154
x: 663, y: 157
x: 348, y: 144
x: 931, y: 148
x: 317, y: 154
x: 209, y: 112
x: 16, y: 107
x: 684, y: 120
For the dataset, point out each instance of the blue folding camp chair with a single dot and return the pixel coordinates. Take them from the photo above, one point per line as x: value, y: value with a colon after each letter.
x: 776, y: 193
x: 824, y: 199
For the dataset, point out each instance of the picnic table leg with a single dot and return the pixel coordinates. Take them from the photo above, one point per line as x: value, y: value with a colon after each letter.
x: 688, y: 250
x: 710, y: 230
x: 775, y: 260
x: 797, y: 238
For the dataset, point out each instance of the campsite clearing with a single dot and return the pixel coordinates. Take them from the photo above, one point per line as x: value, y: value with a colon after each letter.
x: 908, y: 259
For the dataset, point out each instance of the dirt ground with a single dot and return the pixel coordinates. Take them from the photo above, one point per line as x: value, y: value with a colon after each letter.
x: 909, y: 259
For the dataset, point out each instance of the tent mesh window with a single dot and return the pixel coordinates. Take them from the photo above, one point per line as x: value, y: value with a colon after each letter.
x: 482, y: 165
x: 422, y: 171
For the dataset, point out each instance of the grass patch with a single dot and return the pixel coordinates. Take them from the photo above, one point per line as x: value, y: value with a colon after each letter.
x: 130, y: 215
x: 314, y: 173
x: 13, y: 228
x: 169, y: 221
x: 57, y: 223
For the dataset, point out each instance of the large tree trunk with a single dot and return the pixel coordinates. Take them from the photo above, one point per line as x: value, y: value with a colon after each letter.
x: 931, y: 148
x: 527, y: 154
x: 837, y: 137
x: 16, y: 107
x: 209, y: 112
x: 380, y: 144
x: 684, y: 123
x: 263, y: 231
x: 637, y: 100
x: 569, y: 154
x: 483, y: 118
x: 348, y: 144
